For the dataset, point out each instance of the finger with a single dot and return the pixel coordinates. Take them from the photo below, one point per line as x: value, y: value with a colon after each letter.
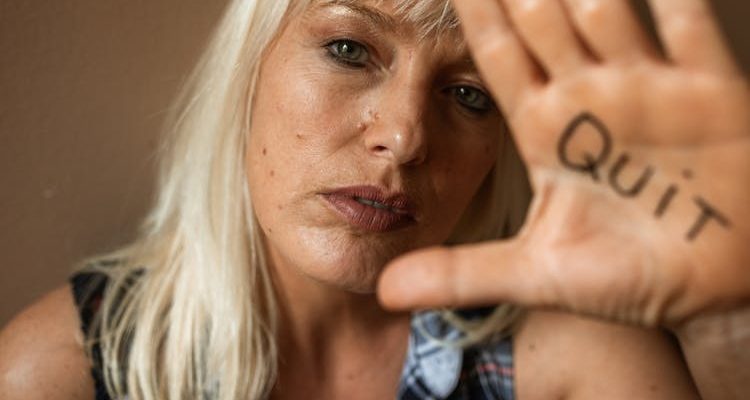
x: 691, y: 36
x: 611, y: 29
x: 476, y: 275
x: 500, y: 56
x: 546, y: 29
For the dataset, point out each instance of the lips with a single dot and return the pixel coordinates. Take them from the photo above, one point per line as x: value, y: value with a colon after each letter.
x: 371, y: 209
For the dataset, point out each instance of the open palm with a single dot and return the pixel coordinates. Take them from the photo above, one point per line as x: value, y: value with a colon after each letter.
x: 640, y: 165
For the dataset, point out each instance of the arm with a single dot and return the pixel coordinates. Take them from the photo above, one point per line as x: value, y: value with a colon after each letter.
x: 42, y: 354
x: 560, y: 355
x: 717, y: 349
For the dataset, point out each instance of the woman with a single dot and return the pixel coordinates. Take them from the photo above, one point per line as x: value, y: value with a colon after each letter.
x: 317, y: 142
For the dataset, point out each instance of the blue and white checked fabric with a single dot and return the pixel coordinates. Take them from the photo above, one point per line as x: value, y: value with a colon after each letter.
x: 436, y: 371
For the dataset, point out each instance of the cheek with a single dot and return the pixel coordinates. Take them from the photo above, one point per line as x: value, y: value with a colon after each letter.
x: 297, y: 125
x: 468, y: 164
x: 300, y: 120
x: 307, y: 102
x: 294, y: 113
x: 458, y: 179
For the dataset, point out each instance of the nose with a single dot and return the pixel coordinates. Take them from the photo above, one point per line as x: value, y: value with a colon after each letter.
x: 395, y: 128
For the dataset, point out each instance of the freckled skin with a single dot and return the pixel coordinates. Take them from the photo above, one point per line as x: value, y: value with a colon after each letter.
x: 319, y: 126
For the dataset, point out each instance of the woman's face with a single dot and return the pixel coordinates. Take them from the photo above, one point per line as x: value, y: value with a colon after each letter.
x: 365, y: 142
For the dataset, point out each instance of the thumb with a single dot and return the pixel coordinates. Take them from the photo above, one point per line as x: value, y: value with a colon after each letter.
x: 463, y: 276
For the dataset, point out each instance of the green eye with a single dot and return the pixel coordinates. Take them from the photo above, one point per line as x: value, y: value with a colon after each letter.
x: 473, y: 99
x: 348, y: 52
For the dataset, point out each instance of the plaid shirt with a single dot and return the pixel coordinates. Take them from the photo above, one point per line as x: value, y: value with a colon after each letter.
x: 436, y: 371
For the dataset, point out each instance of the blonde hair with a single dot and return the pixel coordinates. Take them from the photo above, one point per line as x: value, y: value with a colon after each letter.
x: 190, y: 310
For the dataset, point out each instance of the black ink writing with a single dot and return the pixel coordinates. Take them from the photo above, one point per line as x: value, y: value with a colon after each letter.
x: 666, y: 200
x: 637, y: 187
x: 708, y: 213
x: 593, y: 162
x: 589, y: 163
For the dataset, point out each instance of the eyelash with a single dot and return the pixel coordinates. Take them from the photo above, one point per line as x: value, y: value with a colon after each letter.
x: 333, y: 52
x: 487, y: 104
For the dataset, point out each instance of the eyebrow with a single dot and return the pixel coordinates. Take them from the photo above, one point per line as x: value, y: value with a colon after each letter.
x: 385, y: 20
x: 375, y: 16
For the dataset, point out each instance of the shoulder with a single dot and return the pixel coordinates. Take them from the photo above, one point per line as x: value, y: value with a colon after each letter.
x: 42, y: 353
x: 581, y: 358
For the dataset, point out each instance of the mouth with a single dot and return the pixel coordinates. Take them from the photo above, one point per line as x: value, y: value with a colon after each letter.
x: 371, y: 209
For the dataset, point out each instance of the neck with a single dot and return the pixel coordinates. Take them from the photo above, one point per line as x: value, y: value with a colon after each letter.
x: 330, y: 338
x: 316, y: 316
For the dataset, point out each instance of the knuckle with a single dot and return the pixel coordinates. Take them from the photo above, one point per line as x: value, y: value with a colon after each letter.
x: 681, y: 35
x: 592, y: 13
x: 490, y: 47
x: 525, y: 10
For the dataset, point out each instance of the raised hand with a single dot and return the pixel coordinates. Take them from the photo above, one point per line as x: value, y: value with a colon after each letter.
x: 640, y: 164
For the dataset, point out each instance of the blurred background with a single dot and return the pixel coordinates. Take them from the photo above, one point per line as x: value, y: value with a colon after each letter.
x: 84, y: 88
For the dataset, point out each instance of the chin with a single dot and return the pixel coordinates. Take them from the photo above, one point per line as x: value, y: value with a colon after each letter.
x: 363, y: 287
x: 339, y: 259
x: 355, y: 276
x: 349, y: 265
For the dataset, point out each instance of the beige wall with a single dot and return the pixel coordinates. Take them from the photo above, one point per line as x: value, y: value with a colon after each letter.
x: 83, y: 89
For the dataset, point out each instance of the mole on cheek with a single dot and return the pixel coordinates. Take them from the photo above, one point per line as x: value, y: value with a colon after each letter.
x: 272, y: 173
x: 265, y: 151
x: 373, y: 115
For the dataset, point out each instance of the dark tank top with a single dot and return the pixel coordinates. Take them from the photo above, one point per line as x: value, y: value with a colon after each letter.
x: 88, y: 292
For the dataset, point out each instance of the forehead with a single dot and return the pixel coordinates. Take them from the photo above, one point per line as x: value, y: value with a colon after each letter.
x: 430, y: 18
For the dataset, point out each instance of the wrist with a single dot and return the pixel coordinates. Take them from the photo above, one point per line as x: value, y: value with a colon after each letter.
x: 724, y: 330
x: 717, y: 351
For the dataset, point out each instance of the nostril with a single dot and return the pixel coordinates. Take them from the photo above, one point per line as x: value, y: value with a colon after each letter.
x: 380, y: 149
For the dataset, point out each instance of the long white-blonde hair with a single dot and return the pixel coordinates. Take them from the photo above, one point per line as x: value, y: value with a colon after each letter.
x: 190, y: 310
